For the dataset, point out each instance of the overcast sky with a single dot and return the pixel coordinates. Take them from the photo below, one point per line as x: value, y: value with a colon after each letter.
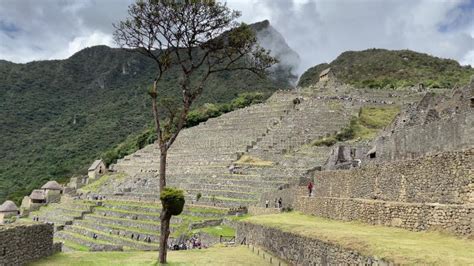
x: 318, y: 30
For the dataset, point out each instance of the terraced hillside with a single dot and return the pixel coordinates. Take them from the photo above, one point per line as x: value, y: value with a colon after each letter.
x: 272, y: 132
x: 267, y: 143
x: 128, y: 225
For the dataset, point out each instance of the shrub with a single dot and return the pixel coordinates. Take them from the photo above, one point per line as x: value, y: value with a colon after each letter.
x: 172, y: 200
x: 329, y: 141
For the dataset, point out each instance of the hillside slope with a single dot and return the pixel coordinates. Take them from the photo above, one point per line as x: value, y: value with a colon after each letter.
x: 380, y: 68
x: 58, y: 116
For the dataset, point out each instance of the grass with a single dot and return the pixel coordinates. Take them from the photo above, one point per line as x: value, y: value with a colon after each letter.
x: 371, y: 120
x: 72, y: 245
x: 220, y: 230
x: 393, y: 244
x: 239, y: 255
x: 254, y: 161
x: 97, y: 184
x: 327, y: 141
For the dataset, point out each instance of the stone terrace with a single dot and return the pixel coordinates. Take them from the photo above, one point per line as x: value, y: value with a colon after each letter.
x: 199, y: 159
x: 129, y: 225
x: 432, y: 192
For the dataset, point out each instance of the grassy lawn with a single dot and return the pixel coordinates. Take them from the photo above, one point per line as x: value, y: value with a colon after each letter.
x: 398, y: 245
x: 220, y: 230
x: 239, y: 255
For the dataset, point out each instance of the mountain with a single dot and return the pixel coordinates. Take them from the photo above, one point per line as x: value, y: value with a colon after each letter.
x: 380, y: 68
x: 58, y: 116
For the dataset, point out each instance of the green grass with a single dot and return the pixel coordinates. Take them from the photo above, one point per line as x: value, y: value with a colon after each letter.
x: 378, y: 117
x: 220, y: 230
x: 132, y: 203
x: 72, y: 245
x: 253, y: 161
x: 97, y: 184
x: 102, y: 233
x: 218, y: 256
x: 393, y: 244
x: 328, y: 141
x: 127, y: 211
x: 124, y: 228
x: 371, y: 120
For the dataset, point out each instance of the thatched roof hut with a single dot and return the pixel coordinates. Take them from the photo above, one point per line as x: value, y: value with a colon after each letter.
x: 8, y: 206
x: 52, y: 185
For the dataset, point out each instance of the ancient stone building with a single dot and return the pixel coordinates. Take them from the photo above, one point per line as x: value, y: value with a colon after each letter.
x: 97, y: 169
x: 52, y: 191
x: 325, y: 74
x: 7, y: 210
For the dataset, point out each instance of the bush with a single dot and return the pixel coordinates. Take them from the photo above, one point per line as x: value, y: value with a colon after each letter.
x: 329, y: 141
x: 172, y: 200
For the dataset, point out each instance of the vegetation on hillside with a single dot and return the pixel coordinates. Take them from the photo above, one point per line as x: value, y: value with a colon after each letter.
x: 380, y: 68
x: 365, y: 126
x: 58, y: 116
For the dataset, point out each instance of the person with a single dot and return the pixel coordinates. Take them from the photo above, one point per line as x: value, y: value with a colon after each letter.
x: 310, y: 188
x: 280, y: 202
x: 266, y: 204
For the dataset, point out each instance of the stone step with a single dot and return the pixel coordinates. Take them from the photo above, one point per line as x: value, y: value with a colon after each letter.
x: 117, y: 240
x: 123, y: 222
x: 79, y: 239
x: 122, y: 231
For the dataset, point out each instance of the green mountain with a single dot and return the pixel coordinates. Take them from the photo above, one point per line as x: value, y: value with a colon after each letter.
x: 58, y: 116
x: 380, y: 68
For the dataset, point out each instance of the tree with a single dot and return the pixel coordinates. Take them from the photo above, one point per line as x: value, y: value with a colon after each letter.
x: 198, y: 39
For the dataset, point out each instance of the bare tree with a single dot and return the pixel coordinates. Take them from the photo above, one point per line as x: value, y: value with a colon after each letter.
x: 199, y: 39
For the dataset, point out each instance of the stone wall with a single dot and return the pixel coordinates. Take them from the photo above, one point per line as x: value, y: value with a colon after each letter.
x: 456, y: 219
x: 445, y: 178
x: 21, y: 244
x: 300, y: 250
x: 447, y: 134
x: 432, y: 192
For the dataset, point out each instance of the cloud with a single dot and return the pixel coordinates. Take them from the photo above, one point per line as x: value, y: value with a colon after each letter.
x: 318, y: 30
x: 55, y: 29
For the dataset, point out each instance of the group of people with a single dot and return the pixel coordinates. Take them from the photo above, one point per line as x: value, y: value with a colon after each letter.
x: 192, y: 243
x: 278, y: 203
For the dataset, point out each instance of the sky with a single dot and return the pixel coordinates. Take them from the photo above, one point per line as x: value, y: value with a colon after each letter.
x: 318, y: 30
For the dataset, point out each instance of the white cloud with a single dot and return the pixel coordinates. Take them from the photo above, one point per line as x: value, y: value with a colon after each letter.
x: 319, y: 30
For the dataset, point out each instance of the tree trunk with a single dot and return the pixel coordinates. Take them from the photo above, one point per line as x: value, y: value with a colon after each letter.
x: 164, y: 217
x: 164, y: 234
x: 163, y: 155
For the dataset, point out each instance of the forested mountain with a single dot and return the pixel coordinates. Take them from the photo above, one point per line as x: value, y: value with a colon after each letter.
x: 58, y: 116
x: 380, y: 68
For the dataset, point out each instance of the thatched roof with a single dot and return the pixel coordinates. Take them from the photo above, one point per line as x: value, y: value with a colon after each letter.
x: 94, y: 165
x: 37, y: 194
x: 52, y: 185
x: 324, y: 72
x: 8, y: 206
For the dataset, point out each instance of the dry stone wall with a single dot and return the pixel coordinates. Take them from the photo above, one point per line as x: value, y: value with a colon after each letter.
x: 445, y: 178
x: 456, y: 219
x: 300, y: 250
x: 433, y: 192
x: 447, y: 134
x: 21, y: 244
